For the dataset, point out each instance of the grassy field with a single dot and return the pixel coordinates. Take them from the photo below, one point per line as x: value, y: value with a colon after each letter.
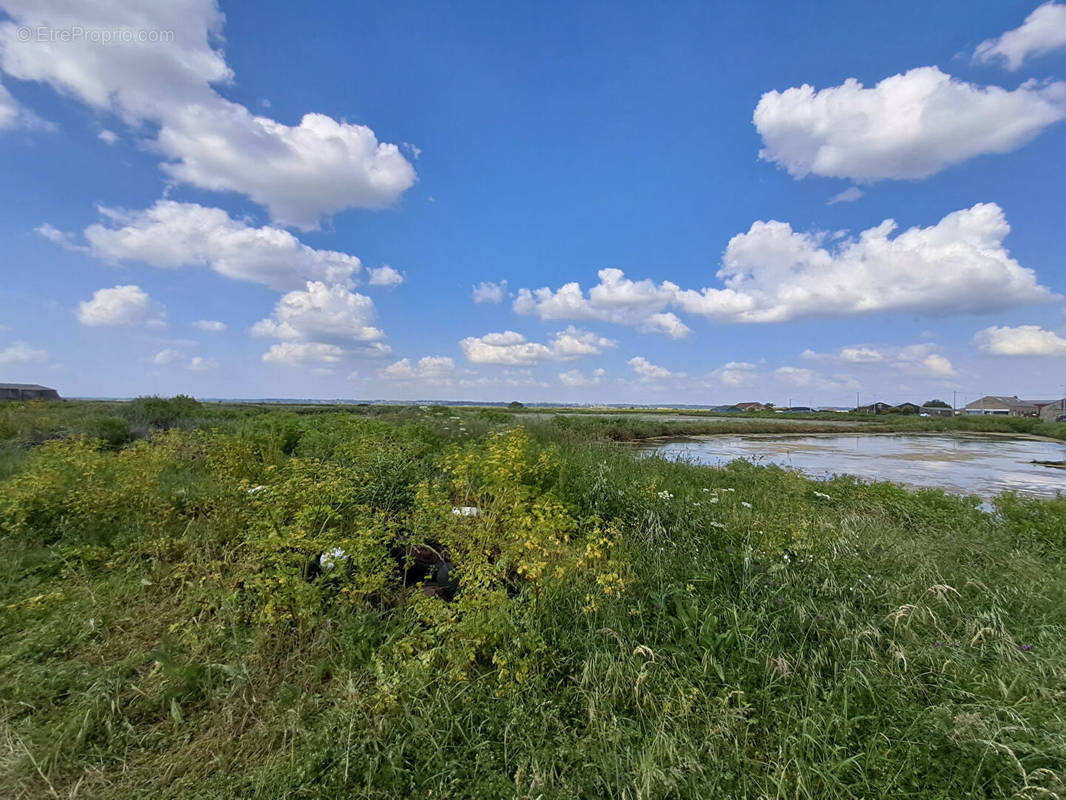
x: 626, y: 428
x: 205, y: 601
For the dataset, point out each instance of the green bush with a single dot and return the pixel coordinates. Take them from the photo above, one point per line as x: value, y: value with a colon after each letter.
x: 114, y: 432
x: 161, y: 412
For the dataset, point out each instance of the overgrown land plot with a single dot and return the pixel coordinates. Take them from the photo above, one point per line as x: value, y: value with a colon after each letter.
x: 205, y: 601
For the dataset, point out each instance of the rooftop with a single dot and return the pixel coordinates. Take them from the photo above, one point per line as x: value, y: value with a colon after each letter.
x: 27, y: 386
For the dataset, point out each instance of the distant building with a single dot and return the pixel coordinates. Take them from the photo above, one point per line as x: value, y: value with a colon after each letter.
x: 1001, y: 405
x: 936, y: 411
x: 1055, y: 411
x: 874, y: 408
x: 906, y: 408
x: 27, y: 391
x: 752, y: 406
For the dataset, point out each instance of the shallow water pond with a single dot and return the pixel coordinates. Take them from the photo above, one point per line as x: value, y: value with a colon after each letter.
x: 962, y: 463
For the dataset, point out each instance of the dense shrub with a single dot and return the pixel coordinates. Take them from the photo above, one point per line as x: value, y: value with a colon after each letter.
x: 161, y: 412
x: 113, y: 432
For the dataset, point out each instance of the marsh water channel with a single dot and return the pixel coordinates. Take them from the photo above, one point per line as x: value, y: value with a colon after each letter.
x: 960, y: 463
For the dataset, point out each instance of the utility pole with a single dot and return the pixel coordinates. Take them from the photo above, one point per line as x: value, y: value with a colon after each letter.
x: 857, y: 396
x: 954, y: 402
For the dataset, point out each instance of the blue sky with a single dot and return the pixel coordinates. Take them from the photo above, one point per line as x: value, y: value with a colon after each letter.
x: 396, y: 200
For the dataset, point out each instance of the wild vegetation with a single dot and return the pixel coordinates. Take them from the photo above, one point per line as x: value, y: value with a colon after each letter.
x: 646, y: 426
x: 203, y: 601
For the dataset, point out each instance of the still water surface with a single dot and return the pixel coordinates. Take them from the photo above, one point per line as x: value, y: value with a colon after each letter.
x: 962, y: 463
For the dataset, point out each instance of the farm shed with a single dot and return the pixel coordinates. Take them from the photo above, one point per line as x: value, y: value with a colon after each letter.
x: 27, y: 391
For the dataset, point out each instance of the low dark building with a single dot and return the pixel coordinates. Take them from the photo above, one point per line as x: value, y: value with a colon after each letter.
x: 27, y: 391
x: 906, y: 408
x: 752, y: 406
x: 936, y: 411
x: 874, y: 408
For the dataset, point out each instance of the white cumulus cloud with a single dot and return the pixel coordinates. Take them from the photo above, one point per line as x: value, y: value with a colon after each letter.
x: 490, y: 292
x: 172, y: 357
x: 1042, y: 32
x: 648, y: 371
x: 575, y: 377
x: 915, y: 359
x: 322, y: 313
x: 512, y: 348
x: 22, y: 353
x: 938, y: 366
x: 385, y: 276
x: 300, y: 354
x: 907, y: 126
x: 210, y: 325
x: 736, y: 373
x: 172, y: 235
x: 300, y: 173
x: 773, y: 273
x: 1023, y: 340
x: 120, y: 305
x: 849, y: 195
x: 615, y: 299
x: 433, y: 369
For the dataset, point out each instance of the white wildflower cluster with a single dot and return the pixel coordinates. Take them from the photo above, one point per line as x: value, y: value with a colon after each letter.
x: 329, y: 559
x: 665, y: 495
x: 822, y: 495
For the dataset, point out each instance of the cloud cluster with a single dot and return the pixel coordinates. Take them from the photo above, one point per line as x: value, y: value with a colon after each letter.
x: 512, y: 348
x: 127, y: 305
x: 615, y: 299
x: 430, y: 369
x: 736, y: 373
x: 327, y: 317
x: 775, y: 274
x: 171, y: 357
x: 172, y: 235
x: 210, y: 325
x: 299, y: 173
x: 916, y: 359
x: 575, y: 377
x: 648, y: 371
x: 910, y: 125
x: 1024, y: 340
x: 1043, y: 31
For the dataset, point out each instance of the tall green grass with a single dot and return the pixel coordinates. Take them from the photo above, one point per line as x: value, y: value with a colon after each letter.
x: 776, y: 637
